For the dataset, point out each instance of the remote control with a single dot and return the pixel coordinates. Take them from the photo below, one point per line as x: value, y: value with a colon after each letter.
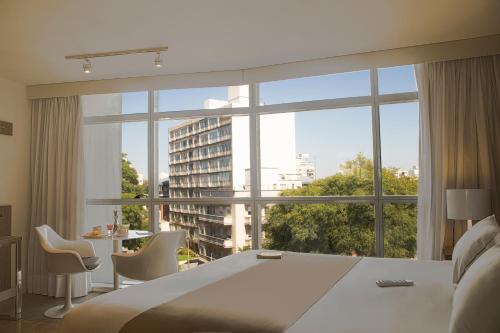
x: 394, y: 283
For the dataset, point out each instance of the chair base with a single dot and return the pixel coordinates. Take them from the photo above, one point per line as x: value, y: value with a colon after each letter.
x: 58, y: 312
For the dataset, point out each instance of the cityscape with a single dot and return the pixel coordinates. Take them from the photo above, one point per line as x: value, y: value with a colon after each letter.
x: 209, y: 157
x: 302, y: 154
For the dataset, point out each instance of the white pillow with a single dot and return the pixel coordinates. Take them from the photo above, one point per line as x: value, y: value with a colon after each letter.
x: 476, y: 301
x: 474, y: 242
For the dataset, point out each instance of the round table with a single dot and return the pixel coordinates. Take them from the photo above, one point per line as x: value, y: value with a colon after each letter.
x: 117, y: 246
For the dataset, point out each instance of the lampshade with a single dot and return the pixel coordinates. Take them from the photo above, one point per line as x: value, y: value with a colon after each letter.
x: 468, y: 204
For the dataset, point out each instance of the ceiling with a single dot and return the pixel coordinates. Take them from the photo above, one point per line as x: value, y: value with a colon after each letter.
x: 217, y: 35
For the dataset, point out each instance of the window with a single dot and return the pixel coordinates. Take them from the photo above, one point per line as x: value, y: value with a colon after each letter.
x: 203, y: 157
x: 399, y: 145
x: 330, y: 167
x: 313, y: 88
x: 396, y: 80
x: 347, y: 229
x: 303, y: 150
x: 202, y: 98
x: 400, y: 230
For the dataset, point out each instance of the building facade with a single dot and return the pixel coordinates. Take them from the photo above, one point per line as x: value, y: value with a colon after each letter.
x: 306, y: 169
x: 210, y: 157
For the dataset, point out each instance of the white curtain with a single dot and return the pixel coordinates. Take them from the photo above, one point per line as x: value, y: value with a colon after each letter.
x: 56, y: 187
x: 459, y: 140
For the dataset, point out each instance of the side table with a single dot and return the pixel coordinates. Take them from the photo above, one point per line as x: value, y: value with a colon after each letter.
x: 17, y: 290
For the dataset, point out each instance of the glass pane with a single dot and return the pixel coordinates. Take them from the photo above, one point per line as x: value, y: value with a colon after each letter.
x: 135, y: 216
x: 203, y: 98
x: 400, y: 230
x: 203, y: 157
x: 214, y: 231
x: 340, y: 85
x: 115, y: 104
x: 397, y: 79
x: 399, y: 135
x: 317, y: 153
x: 116, y: 158
x: 135, y: 102
x: 347, y: 229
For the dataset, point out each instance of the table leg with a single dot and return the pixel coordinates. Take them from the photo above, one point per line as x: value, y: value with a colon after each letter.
x: 117, y: 248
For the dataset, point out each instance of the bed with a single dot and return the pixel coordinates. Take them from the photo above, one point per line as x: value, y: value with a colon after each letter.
x: 353, y: 304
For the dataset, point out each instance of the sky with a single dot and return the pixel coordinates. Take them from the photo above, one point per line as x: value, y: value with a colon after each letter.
x: 330, y: 136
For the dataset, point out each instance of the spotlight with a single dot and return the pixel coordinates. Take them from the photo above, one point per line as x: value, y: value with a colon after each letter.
x: 87, y: 67
x: 158, y: 60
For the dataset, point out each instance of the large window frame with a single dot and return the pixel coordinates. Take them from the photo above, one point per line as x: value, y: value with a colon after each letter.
x: 254, y: 111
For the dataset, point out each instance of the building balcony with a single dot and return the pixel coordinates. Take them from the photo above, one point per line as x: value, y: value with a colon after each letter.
x: 220, y: 123
x: 200, y: 143
x: 223, y: 242
x: 216, y: 184
x: 200, y: 157
x: 199, y: 171
x: 183, y: 223
x: 184, y: 210
x: 225, y: 220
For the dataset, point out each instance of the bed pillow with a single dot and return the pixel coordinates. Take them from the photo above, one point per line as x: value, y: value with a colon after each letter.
x: 476, y: 300
x: 474, y: 242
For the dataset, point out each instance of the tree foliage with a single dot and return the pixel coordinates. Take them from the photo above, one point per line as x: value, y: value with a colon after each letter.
x: 345, y: 228
x: 134, y: 215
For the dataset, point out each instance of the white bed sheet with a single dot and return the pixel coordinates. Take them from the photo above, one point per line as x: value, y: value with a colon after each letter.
x: 354, y: 305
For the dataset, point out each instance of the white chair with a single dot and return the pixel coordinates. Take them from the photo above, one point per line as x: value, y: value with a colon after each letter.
x: 156, y: 259
x: 66, y: 257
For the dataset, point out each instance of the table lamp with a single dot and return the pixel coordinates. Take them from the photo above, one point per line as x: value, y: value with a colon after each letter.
x: 467, y: 204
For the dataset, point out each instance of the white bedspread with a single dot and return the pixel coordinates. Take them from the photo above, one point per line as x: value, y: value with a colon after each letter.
x: 354, y: 305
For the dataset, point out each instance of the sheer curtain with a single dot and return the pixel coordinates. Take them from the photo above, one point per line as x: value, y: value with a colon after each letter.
x: 459, y: 140
x: 56, y: 187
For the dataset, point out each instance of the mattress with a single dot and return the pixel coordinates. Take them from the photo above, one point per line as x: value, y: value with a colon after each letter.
x: 353, y: 305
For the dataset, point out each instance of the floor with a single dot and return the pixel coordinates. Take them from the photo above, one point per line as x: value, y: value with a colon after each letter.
x: 33, y: 320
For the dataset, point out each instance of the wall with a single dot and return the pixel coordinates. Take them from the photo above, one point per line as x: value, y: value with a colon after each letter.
x: 14, y: 153
x: 14, y: 156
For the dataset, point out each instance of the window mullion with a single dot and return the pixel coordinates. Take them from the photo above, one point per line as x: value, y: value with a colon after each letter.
x: 377, y: 166
x: 254, y: 131
x: 152, y: 158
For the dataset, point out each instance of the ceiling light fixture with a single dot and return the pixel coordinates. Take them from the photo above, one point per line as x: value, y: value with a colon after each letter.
x: 87, y: 67
x: 158, y: 60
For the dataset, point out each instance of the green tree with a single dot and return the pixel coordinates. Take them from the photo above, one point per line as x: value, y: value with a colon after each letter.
x: 344, y: 228
x: 134, y: 215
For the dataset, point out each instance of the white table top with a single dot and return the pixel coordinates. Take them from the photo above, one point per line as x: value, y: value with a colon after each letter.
x: 132, y: 234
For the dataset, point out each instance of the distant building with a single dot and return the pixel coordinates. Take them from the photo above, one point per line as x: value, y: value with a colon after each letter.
x: 140, y: 178
x: 306, y: 170
x: 414, y: 172
x: 210, y: 157
x: 163, y: 191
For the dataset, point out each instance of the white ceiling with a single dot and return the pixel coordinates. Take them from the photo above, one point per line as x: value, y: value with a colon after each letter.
x: 219, y: 34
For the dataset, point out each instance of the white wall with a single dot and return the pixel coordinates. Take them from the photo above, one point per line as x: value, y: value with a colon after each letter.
x: 14, y: 158
x: 14, y: 153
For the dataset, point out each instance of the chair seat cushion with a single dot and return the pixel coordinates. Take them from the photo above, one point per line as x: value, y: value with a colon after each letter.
x: 91, y: 262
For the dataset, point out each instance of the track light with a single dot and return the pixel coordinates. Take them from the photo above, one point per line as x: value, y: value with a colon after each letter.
x: 158, y: 60
x: 87, y: 67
